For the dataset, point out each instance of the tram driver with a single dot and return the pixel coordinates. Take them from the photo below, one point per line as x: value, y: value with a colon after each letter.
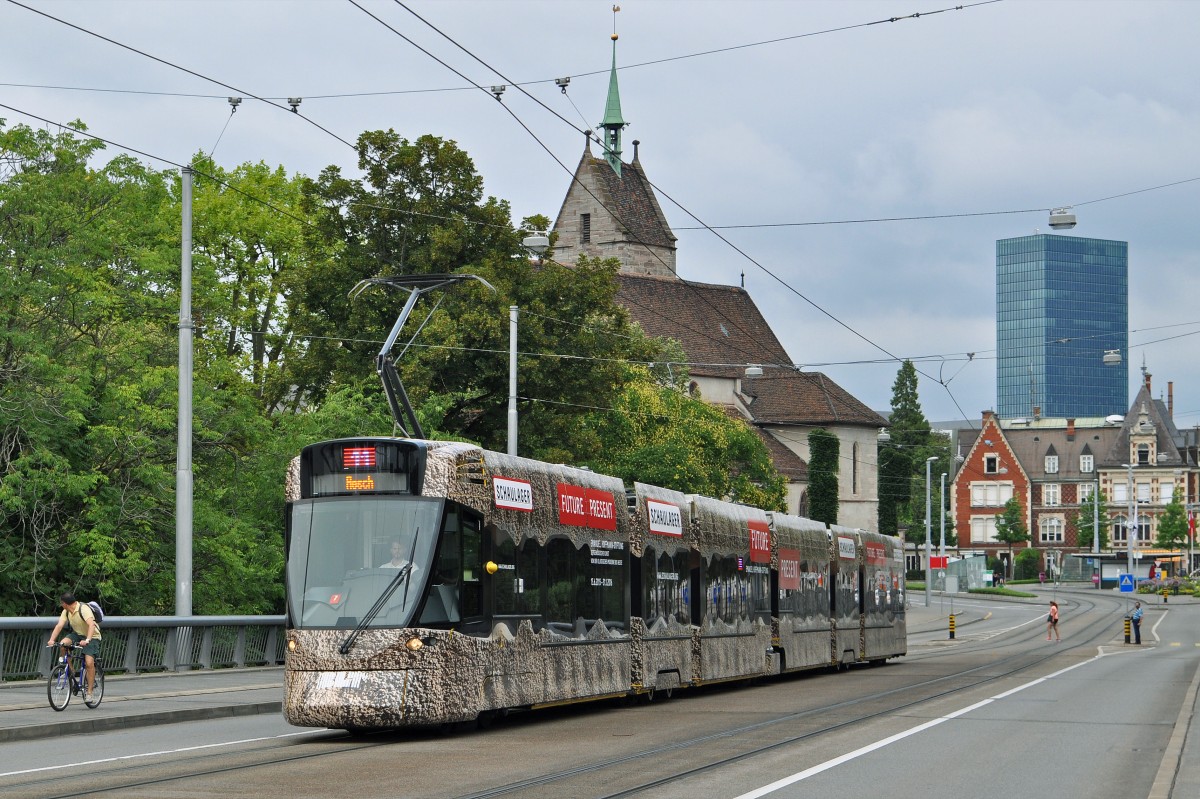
x: 398, y: 560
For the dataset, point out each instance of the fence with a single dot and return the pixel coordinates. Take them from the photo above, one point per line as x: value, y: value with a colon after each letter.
x: 133, y: 644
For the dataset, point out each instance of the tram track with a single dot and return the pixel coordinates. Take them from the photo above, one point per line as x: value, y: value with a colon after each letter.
x: 133, y: 779
x: 1095, y: 630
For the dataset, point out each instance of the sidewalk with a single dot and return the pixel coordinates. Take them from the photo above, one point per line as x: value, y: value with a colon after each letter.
x: 141, y: 700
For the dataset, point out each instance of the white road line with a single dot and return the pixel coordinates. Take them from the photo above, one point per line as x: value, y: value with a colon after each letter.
x: 857, y: 753
x: 159, y: 753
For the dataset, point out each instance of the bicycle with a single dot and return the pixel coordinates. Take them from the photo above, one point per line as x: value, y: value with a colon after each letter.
x: 69, y: 677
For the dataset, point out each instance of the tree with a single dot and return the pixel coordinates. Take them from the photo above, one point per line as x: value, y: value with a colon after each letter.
x: 1086, y: 516
x: 657, y: 434
x: 901, y: 458
x: 1010, y: 527
x: 824, y: 449
x: 1173, y: 524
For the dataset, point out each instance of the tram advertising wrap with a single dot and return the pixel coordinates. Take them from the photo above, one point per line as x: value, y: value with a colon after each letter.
x: 436, y: 582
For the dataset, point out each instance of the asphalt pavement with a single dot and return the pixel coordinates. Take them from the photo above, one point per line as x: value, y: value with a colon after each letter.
x: 166, y: 698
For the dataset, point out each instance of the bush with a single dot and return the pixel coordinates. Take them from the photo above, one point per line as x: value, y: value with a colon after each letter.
x: 1028, y: 564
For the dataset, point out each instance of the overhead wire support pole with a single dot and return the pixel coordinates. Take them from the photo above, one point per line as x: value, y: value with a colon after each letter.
x: 183, y: 455
x: 403, y: 415
x: 512, y: 380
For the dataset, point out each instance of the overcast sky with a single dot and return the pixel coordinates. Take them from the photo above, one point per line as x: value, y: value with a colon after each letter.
x: 993, y: 108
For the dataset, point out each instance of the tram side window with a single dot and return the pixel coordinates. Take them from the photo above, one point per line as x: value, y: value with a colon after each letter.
x: 665, y: 587
x: 600, y: 583
x: 516, y: 583
x: 758, y: 604
x: 559, y: 583
x: 472, y: 568
x: 727, y: 590
x: 578, y: 587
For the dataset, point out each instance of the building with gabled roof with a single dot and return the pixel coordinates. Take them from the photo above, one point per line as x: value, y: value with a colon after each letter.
x: 1055, y: 465
x: 610, y: 211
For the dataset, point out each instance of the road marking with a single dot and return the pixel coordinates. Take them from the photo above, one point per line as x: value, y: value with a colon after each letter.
x: 160, y: 753
x: 857, y: 753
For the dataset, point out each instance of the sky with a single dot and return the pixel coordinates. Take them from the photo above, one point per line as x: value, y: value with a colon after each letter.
x: 796, y: 118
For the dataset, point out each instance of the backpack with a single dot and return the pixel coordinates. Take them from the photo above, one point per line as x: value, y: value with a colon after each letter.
x: 97, y: 611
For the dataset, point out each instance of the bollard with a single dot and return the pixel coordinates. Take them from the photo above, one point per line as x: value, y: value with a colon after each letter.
x: 951, y: 626
x: 1128, y: 628
x: 1164, y: 593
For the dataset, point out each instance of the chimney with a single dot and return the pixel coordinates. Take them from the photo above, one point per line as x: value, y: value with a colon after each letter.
x: 1146, y: 376
x: 1037, y: 412
x: 1171, y: 398
x: 635, y: 149
x: 1070, y: 430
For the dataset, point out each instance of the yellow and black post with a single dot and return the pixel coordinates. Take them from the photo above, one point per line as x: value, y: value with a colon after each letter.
x: 1128, y: 628
x: 1164, y: 593
x: 951, y: 626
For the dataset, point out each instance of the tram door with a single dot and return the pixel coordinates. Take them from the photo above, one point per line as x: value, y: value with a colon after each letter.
x: 455, y: 595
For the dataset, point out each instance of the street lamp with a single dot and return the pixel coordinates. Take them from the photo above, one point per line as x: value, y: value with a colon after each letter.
x: 1096, y: 533
x: 1130, y: 522
x: 942, y: 531
x: 928, y: 532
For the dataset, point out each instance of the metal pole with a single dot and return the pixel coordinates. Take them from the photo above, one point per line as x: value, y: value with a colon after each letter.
x: 928, y: 531
x: 183, y: 457
x: 1096, y: 533
x: 183, y: 453
x: 942, y: 532
x: 512, y: 380
x: 1131, y: 525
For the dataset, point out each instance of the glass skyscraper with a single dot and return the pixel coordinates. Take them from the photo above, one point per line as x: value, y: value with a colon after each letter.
x: 1061, y: 303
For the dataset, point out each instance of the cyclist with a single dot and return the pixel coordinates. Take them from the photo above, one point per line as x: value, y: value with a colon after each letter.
x: 83, y: 631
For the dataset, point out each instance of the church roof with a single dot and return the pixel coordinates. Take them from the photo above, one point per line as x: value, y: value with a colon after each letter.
x: 720, y: 327
x: 722, y: 331
x: 630, y: 198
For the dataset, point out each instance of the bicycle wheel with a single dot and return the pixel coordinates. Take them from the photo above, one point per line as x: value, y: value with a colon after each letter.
x: 58, y: 687
x: 97, y: 689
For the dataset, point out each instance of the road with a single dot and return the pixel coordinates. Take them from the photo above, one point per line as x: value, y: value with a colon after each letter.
x: 999, y: 709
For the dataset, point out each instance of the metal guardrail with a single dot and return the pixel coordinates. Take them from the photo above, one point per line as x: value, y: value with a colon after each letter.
x: 133, y: 644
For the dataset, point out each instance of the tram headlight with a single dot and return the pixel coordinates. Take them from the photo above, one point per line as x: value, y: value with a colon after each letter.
x: 414, y: 644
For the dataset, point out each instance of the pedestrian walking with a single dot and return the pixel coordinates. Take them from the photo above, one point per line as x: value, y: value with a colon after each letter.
x: 1052, y: 621
x: 1136, y: 617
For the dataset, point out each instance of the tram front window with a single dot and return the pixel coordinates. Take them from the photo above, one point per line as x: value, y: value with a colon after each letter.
x: 346, y: 553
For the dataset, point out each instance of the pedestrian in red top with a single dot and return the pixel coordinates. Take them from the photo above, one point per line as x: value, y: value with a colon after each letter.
x: 1052, y: 621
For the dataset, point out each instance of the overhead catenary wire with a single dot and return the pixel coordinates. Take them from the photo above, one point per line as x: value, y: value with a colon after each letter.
x: 893, y: 358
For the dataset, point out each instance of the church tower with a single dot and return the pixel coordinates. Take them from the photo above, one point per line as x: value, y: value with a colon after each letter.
x: 610, y: 210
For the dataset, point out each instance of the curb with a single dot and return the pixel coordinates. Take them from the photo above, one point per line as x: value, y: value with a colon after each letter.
x: 106, y: 723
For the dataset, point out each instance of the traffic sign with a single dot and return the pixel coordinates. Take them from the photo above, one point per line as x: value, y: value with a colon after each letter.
x: 936, y: 562
x: 1126, y: 582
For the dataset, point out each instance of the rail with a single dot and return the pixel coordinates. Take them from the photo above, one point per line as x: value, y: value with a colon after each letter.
x: 136, y: 644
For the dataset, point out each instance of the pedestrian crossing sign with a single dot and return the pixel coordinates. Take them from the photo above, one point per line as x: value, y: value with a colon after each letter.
x: 1126, y: 583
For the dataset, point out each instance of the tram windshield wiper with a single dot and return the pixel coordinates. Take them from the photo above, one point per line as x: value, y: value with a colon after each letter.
x: 369, y: 616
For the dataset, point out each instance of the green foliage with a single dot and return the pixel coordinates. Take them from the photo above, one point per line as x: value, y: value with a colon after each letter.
x: 283, y: 356
x: 902, y: 465
x: 1173, y: 524
x: 1027, y: 564
x: 824, y: 450
x: 656, y: 434
x: 1084, y: 520
x: 1010, y: 526
x: 1001, y: 592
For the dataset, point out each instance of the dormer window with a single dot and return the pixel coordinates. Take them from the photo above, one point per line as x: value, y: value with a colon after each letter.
x: 1051, y: 464
x: 1143, y: 455
x: 1087, y: 464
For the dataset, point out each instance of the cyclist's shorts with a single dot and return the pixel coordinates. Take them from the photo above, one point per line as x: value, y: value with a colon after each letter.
x: 92, y: 648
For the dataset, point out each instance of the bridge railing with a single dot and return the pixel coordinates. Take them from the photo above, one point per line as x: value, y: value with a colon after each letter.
x: 134, y: 644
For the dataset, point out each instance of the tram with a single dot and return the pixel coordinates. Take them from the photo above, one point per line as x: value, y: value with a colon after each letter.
x: 431, y: 583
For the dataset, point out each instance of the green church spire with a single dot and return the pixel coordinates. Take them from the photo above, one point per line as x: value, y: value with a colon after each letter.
x: 613, y: 121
